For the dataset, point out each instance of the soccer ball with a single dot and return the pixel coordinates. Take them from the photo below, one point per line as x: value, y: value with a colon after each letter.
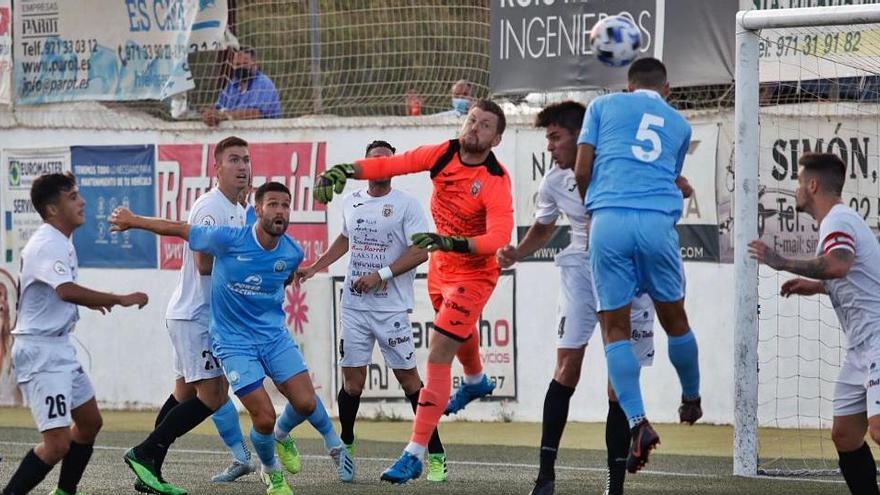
x: 616, y: 41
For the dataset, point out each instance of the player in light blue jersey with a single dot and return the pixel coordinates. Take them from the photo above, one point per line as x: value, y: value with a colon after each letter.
x: 630, y: 154
x: 249, y: 337
x: 250, y: 215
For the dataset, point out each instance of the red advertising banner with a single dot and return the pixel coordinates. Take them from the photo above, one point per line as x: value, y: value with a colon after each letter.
x: 186, y: 171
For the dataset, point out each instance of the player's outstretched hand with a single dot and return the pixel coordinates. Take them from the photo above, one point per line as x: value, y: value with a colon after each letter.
x: 801, y: 287
x: 300, y: 276
x: 120, y: 219
x: 765, y: 254
x: 333, y: 181
x: 368, y: 283
x: 436, y: 242
x: 506, y: 256
x: 138, y: 298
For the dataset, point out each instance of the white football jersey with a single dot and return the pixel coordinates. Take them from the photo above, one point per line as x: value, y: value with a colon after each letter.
x: 379, y: 231
x: 855, y: 297
x: 48, y: 260
x: 191, y: 299
x: 557, y: 194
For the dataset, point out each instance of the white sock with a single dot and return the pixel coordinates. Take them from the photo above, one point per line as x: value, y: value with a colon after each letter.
x: 415, y: 449
x: 473, y: 379
x: 274, y: 467
x: 279, y: 434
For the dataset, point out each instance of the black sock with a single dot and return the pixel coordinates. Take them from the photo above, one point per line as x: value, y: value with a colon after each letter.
x: 435, y: 446
x: 555, y: 416
x: 169, y: 404
x: 859, y: 470
x: 617, y: 439
x: 74, y: 465
x: 348, y: 410
x: 179, y: 420
x: 29, y: 474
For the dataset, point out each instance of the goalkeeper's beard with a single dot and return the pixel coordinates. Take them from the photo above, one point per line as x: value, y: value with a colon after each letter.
x: 473, y: 147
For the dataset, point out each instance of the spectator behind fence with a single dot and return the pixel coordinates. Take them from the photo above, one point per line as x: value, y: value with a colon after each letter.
x: 250, y: 94
x: 462, y: 93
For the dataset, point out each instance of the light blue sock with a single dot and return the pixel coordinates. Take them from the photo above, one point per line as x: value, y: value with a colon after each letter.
x: 684, y: 355
x: 264, y: 444
x: 288, y: 420
x: 320, y: 420
x: 229, y: 428
x: 623, y: 371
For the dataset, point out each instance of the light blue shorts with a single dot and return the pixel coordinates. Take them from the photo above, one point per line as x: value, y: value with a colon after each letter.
x: 247, y: 365
x: 634, y: 251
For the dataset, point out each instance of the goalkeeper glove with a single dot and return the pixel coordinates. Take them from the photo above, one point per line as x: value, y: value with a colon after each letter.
x: 436, y: 242
x: 333, y: 181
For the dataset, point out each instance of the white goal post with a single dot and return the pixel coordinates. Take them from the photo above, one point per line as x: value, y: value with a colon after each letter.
x: 747, y: 153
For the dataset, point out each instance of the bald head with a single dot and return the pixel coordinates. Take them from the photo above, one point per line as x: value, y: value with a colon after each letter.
x: 461, y: 89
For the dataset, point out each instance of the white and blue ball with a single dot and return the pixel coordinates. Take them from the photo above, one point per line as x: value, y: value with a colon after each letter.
x: 616, y: 40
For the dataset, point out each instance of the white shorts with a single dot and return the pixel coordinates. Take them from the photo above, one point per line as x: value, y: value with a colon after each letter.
x: 576, y: 317
x: 642, y: 320
x: 857, y: 388
x: 193, y: 359
x: 361, y: 329
x: 51, y: 379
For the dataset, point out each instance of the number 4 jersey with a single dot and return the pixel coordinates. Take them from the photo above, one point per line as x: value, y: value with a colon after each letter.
x: 640, y: 143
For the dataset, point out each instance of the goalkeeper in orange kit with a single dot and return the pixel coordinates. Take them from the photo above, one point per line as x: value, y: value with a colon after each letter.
x: 472, y: 207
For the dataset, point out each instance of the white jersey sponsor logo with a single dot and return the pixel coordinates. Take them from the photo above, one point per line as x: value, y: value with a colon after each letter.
x: 379, y: 231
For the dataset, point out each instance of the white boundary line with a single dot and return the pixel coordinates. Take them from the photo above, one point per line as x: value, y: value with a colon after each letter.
x: 470, y: 463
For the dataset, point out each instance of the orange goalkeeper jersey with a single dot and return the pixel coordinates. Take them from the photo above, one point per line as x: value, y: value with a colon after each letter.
x: 470, y: 200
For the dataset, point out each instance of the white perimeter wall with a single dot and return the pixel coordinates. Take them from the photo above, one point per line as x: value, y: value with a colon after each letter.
x: 128, y: 355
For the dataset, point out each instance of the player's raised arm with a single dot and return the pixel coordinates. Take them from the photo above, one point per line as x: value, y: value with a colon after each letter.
x: 413, y: 161
x: 583, y: 168
x: 834, y: 263
x: 499, y: 220
x: 123, y: 219
x: 587, y: 141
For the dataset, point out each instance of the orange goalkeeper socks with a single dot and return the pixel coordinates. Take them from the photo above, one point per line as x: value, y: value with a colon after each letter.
x: 432, y: 401
x: 469, y: 355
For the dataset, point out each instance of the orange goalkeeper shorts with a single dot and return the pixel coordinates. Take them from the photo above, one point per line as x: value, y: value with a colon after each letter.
x: 458, y: 305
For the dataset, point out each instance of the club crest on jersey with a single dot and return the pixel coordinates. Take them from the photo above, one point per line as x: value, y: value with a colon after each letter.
x: 475, y: 188
x: 387, y: 210
x: 280, y: 266
x: 59, y: 268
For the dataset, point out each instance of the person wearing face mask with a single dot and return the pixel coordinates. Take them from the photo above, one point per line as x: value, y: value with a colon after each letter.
x: 250, y: 94
x: 462, y: 93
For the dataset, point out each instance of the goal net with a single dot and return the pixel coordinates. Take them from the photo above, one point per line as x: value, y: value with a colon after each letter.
x: 816, y: 88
